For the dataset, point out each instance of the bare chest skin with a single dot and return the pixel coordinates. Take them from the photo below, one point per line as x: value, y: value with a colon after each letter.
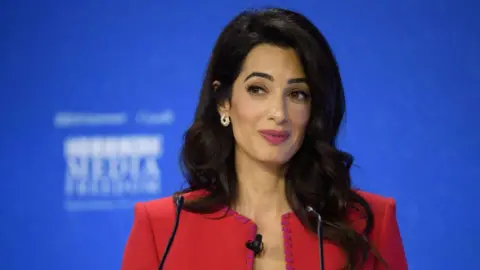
x: 273, y: 255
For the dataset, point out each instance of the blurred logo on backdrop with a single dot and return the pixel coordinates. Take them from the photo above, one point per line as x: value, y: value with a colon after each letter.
x: 73, y: 119
x: 105, y: 172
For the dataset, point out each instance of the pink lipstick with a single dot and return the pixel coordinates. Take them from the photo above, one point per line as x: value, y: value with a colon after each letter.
x: 274, y: 137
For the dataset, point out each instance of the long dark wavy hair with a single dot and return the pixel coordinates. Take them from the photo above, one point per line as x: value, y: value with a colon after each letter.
x: 318, y: 175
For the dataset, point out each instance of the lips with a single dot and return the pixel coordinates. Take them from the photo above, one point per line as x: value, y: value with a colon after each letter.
x: 275, y: 137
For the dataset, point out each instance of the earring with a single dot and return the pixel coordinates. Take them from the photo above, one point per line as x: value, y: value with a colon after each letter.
x: 225, y: 120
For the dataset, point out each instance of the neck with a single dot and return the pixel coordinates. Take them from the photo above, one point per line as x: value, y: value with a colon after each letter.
x: 261, y: 189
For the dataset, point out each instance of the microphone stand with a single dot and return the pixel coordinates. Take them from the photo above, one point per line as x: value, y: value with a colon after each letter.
x: 319, y: 235
x: 179, y: 204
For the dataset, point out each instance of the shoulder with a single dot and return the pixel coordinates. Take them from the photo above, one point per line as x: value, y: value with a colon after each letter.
x: 161, y: 209
x: 149, y: 232
x: 158, y: 208
x: 386, y: 236
x: 379, y: 204
x: 380, y: 207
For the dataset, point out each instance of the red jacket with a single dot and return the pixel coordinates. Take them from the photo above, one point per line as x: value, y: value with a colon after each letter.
x: 202, y: 243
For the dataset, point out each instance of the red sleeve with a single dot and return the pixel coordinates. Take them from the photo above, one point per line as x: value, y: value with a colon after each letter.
x: 390, y: 244
x: 140, y: 250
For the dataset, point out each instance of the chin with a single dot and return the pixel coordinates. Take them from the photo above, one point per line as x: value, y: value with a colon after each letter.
x: 274, y: 159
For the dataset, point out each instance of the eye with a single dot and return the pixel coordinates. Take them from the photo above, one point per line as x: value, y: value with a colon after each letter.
x: 255, y: 90
x: 300, y: 95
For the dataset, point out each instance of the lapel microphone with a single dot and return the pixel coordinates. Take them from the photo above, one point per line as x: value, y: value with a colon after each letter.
x: 319, y: 234
x: 178, y: 199
x: 256, y: 245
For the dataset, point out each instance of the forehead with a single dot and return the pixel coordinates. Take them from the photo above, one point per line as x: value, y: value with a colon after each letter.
x: 273, y: 60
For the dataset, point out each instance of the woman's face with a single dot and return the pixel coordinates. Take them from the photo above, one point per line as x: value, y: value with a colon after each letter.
x: 270, y: 105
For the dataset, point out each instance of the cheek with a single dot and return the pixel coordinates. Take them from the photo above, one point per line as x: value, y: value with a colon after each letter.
x: 243, y: 112
x: 300, y: 117
x: 245, y: 115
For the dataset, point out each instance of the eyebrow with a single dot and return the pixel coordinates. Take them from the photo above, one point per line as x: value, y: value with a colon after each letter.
x: 270, y: 77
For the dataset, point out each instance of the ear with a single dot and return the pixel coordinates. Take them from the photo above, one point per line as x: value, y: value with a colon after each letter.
x: 215, y: 85
x: 224, y: 107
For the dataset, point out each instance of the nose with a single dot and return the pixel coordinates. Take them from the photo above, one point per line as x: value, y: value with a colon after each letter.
x: 278, y: 111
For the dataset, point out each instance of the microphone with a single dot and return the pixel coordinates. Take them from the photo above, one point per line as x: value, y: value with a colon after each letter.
x: 319, y: 234
x: 178, y: 199
x: 256, y: 245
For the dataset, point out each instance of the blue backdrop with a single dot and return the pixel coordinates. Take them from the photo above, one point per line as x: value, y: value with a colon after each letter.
x: 96, y: 96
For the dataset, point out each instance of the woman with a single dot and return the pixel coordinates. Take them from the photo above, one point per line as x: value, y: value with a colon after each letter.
x: 260, y: 151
